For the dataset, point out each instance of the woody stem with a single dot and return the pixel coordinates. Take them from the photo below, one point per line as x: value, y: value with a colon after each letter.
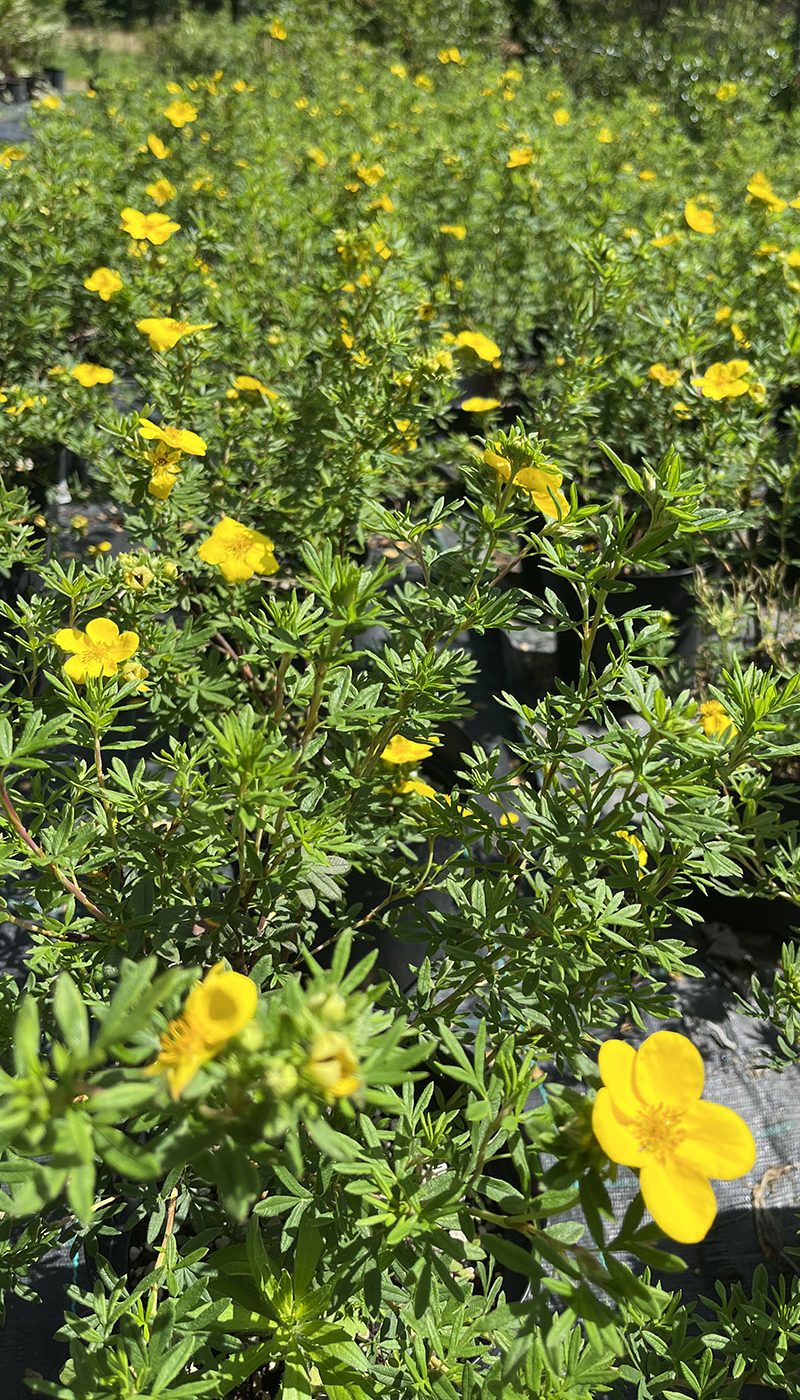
x: 63, y: 879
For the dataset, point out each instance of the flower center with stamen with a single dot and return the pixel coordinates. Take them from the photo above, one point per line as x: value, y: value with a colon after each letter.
x: 659, y: 1130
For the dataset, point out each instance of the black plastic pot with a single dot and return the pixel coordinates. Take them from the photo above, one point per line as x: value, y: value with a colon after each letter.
x: 18, y: 88
x: 666, y: 592
x: 780, y: 916
x: 57, y: 78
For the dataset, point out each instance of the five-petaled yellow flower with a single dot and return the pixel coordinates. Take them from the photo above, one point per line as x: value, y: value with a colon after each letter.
x: 161, y: 191
x: 457, y: 231
x: 698, y: 218
x: 215, y: 1011
x: 248, y: 384
x: 543, y: 483
x: 477, y: 404
x: 482, y: 346
x: 157, y: 147
x: 400, y: 750
x: 663, y: 375
x: 716, y: 720
x: 9, y: 154
x: 561, y: 116
x: 152, y: 228
x: 238, y: 551
x: 278, y: 29
x: 519, y: 156
x: 88, y: 374
x: 650, y: 1115
x: 180, y: 113
x: 180, y: 439
x: 724, y: 380
x: 759, y: 187
x: 332, y: 1064
x: 105, y: 281
x: 98, y: 651
x: 164, y: 332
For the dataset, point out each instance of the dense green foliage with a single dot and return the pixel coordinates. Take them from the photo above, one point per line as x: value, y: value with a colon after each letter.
x: 463, y: 345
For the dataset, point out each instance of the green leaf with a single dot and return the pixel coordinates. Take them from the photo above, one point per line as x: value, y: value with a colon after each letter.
x: 71, y: 1016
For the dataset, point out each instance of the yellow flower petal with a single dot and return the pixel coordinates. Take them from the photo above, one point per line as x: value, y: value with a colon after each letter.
x: 102, y: 629
x: 718, y: 1142
x: 616, y: 1062
x: 680, y: 1199
x: 75, y: 668
x: 668, y: 1070
x: 612, y: 1131
x: 69, y: 639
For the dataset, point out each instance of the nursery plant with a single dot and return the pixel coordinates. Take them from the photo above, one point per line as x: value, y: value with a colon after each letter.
x: 333, y: 1031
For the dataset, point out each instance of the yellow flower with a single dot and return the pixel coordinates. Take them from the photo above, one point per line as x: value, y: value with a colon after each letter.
x: 739, y: 336
x: 105, y: 281
x: 416, y: 787
x: 96, y: 652
x: 724, y: 380
x: 519, y: 156
x: 662, y: 375
x: 180, y: 113
x: 423, y: 81
x: 173, y: 87
x: 238, y: 551
x: 455, y: 231
x: 399, y: 70
x: 179, y: 439
x: 319, y: 157
x: 715, y: 720
x: 647, y: 175
x: 51, y: 103
x: 650, y: 1115
x: 29, y: 401
x: 605, y: 136
x: 154, y: 228
x: 665, y: 240
x: 761, y: 188
x: 725, y: 92
x: 724, y: 314
x: 542, y: 483
x: 164, y: 331
x: 138, y: 578
x: 277, y: 29
x: 637, y: 846
x: 332, y: 1064
x: 561, y: 116
x: 476, y: 404
x: 9, y: 155
x: 88, y: 374
x: 370, y: 174
x: 161, y: 191
x: 699, y: 219
x: 483, y: 347
x: 135, y: 671
x: 215, y: 1011
x: 384, y: 202
x: 402, y: 751
x: 163, y: 478
x: 248, y: 384
x: 157, y: 147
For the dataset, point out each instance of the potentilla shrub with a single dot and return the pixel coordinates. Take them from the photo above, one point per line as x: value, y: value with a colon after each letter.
x: 337, y: 1179
x: 334, y: 1029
